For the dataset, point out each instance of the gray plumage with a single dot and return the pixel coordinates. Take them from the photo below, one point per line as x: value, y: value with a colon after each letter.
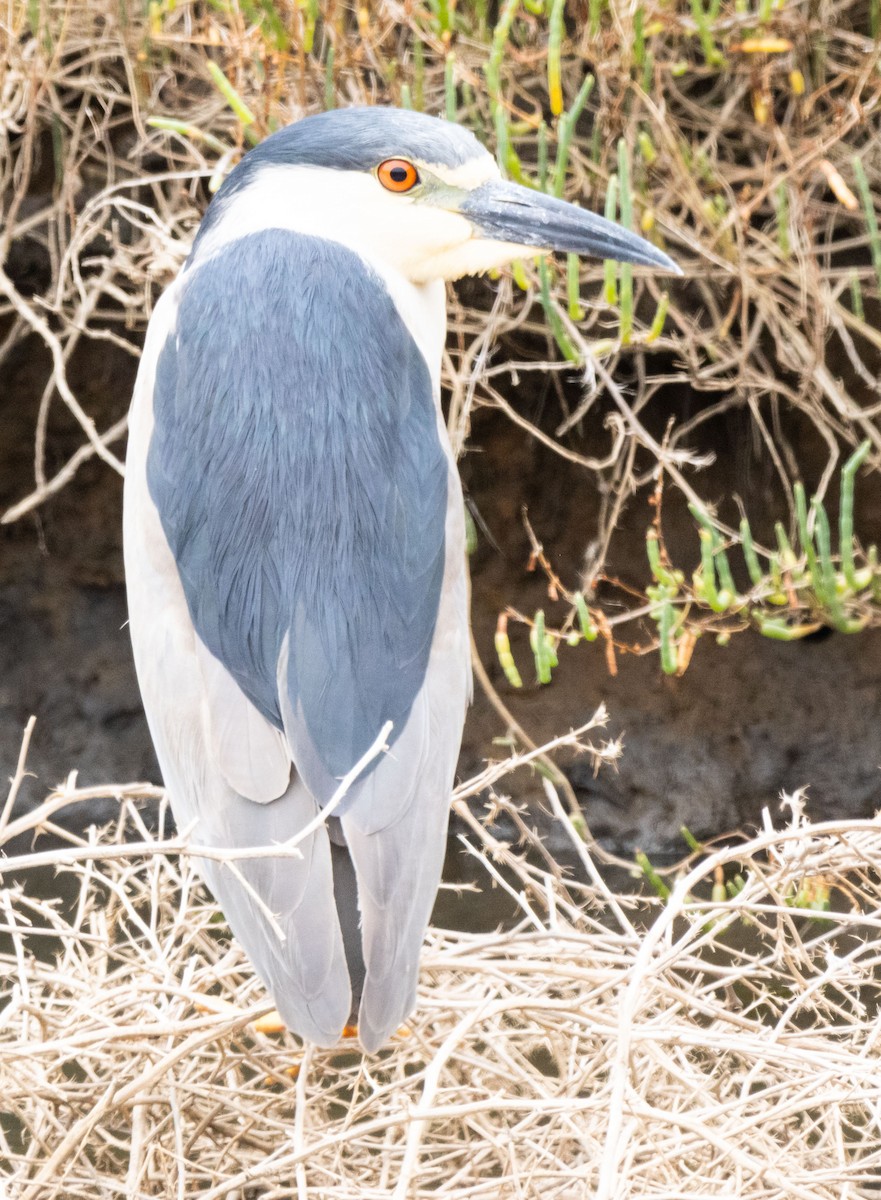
x: 287, y: 532
x: 318, y: 511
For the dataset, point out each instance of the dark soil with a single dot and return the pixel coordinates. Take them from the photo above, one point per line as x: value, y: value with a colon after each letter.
x: 746, y: 722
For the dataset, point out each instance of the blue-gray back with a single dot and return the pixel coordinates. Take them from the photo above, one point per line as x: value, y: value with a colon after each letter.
x: 302, y: 486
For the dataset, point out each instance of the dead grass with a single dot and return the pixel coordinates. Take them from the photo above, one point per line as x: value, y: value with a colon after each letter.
x: 743, y: 132
x: 603, y: 1046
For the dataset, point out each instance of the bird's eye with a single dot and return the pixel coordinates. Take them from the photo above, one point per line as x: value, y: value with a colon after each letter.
x: 397, y: 175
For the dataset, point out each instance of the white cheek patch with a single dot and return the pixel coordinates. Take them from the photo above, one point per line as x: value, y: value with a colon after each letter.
x: 348, y: 207
x: 473, y: 258
x: 399, y: 236
x: 310, y: 200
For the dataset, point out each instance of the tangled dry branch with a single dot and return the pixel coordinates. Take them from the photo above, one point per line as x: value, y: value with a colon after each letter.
x: 601, y: 1045
x: 744, y: 158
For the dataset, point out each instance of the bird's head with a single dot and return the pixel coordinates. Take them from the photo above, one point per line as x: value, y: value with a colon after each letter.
x: 412, y: 193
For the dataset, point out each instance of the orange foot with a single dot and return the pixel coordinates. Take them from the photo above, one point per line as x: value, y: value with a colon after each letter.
x: 270, y: 1022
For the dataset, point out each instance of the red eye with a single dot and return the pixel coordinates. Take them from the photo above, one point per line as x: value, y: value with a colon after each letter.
x: 397, y: 175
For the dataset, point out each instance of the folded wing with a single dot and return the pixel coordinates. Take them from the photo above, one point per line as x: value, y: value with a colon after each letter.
x: 296, y: 473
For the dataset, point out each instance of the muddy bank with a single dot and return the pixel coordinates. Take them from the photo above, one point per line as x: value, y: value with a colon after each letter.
x: 745, y: 722
x: 708, y: 750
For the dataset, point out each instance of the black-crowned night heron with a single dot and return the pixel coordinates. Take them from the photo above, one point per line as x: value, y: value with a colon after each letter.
x: 294, y: 537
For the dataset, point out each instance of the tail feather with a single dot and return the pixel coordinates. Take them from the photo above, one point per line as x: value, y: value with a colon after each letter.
x: 394, y: 918
x: 345, y: 891
x: 298, y: 951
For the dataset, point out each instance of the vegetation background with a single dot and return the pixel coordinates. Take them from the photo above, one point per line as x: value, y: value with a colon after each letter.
x: 658, y: 470
x: 744, y: 139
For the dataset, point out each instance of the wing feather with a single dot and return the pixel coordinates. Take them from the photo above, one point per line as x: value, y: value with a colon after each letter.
x: 251, y: 754
x: 396, y: 826
x: 299, y: 954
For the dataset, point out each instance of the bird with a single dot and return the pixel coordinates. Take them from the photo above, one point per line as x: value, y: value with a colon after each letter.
x: 294, y: 540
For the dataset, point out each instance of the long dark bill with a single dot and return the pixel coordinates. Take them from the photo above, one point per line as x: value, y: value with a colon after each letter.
x: 507, y: 212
